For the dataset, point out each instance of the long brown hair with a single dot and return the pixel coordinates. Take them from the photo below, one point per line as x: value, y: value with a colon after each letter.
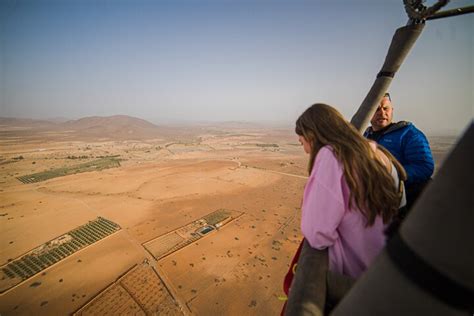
x: 371, y: 186
x: 402, y: 174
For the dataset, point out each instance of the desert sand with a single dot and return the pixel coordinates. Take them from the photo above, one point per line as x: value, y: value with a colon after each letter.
x: 166, y: 183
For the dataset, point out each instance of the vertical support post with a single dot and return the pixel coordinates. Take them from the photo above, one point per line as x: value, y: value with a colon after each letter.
x: 402, y: 42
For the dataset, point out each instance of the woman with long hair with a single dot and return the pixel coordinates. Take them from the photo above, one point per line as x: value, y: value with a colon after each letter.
x: 353, y: 192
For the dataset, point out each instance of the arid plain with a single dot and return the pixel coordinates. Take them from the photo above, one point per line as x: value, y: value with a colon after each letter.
x: 116, y: 215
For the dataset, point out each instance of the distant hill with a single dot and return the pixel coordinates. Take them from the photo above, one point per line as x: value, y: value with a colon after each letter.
x: 114, y: 127
x: 58, y: 119
x: 95, y: 127
x: 122, y: 121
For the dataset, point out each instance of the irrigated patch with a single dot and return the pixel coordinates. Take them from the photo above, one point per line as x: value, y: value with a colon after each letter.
x: 54, y: 251
x: 96, y: 165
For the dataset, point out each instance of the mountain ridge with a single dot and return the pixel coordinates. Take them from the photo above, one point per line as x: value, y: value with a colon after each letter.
x: 109, y: 127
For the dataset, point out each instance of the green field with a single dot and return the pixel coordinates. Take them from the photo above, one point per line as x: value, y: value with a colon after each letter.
x: 54, y: 251
x: 216, y: 217
x: 96, y: 165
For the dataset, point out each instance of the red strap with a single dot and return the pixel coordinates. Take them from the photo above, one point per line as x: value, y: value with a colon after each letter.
x: 290, y: 274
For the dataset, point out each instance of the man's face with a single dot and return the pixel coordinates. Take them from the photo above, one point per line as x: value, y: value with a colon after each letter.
x: 383, y: 115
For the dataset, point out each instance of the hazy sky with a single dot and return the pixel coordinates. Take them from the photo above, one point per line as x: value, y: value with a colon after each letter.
x: 227, y: 60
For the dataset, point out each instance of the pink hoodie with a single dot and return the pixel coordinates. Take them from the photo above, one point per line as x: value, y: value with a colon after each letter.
x: 328, y: 222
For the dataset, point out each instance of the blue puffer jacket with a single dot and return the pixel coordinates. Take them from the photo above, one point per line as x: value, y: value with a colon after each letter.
x: 410, y: 146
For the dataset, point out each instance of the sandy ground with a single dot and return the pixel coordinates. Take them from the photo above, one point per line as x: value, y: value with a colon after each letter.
x: 161, y: 185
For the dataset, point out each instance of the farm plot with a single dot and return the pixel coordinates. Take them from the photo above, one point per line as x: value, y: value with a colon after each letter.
x: 96, y: 165
x: 139, y: 292
x: 54, y: 251
x: 170, y: 242
x: 217, y: 217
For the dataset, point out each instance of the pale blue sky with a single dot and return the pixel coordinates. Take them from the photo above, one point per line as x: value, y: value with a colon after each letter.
x: 226, y: 60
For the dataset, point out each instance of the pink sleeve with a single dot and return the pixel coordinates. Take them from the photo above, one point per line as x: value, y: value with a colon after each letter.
x: 323, y: 201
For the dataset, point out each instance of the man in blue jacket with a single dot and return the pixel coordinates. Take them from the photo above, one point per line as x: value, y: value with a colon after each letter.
x: 407, y: 143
